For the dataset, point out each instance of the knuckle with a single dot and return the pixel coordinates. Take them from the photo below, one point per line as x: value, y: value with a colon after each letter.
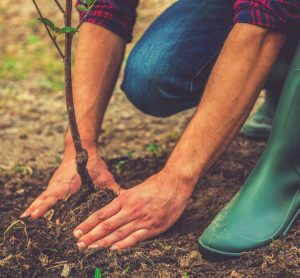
x: 153, y: 223
x: 88, y: 238
x: 107, y: 226
x: 100, y: 215
x: 134, y: 239
x: 44, y: 194
x: 129, y: 211
x: 119, y: 203
x: 120, y: 234
x: 135, y: 211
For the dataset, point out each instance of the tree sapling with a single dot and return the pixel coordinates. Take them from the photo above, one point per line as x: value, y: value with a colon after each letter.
x: 69, y: 31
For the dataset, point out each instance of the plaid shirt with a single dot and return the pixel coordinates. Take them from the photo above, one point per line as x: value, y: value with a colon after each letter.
x: 281, y: 15
x: 117, y: 16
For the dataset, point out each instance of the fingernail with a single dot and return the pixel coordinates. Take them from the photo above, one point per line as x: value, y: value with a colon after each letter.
x: 36, y: 212
x: 94, y: 245
x: 114, y: 247
x: 81, y: 245
x: 25, y: 214
x: 78, y: 233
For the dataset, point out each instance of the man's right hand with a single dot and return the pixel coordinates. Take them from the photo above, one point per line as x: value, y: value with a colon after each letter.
x: 66, y: 181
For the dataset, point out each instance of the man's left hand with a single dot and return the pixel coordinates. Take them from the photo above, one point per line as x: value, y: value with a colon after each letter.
x: 137, y: 214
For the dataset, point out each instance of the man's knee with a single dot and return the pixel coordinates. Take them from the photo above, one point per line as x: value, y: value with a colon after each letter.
x: 143, y: 83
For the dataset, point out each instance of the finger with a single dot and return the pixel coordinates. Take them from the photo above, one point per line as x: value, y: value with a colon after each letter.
x: 132, y: 240
x: 102, y: 182
x: 97, y: 217
x: 116, y: 236
x: 104, y: 229
x: 114, y: 187
x: 39, y: 200
x: 43, y: 207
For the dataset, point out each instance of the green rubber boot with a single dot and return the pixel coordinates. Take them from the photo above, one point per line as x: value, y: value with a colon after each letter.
x: 259, y: 125
x: 268, y: 203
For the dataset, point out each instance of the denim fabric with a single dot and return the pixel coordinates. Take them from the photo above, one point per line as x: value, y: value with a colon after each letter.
x: 168, y: 68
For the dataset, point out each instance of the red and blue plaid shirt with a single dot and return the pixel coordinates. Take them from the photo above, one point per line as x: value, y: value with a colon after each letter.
x: 281, y: 15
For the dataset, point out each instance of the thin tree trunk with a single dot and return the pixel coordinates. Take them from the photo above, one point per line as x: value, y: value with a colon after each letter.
x: 81, y: 153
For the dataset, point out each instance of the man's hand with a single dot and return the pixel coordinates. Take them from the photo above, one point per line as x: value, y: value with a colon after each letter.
x: 137, y: 214
x: 66, y: 181
x: 92, y: 91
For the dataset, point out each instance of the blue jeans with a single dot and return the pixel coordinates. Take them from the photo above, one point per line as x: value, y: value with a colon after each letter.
x: 167, y: 70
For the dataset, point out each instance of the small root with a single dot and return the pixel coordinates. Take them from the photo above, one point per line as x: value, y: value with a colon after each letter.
x: 11, y: 226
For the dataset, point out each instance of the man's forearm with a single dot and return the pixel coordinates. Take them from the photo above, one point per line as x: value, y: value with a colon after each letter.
x: 99, y: 55
x: 236, y: 80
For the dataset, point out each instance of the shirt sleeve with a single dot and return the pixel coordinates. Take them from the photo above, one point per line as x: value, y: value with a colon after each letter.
x: 118, y: 16
x: 278, y: 15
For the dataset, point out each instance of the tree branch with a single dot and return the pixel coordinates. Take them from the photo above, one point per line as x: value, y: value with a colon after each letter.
x: 48, y: 31
x: 59, y: 6
x: 85, y: 16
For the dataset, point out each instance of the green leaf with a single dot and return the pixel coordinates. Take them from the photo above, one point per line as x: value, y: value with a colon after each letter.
x: 90, y: 2
x: 130, y: 154
x: 153, y: 148
x: 69, y: 29
x: 126, y: 270
x: 48, y: 22
x: 119, y: 165
x: 97, y: 273
x: 82, y: 8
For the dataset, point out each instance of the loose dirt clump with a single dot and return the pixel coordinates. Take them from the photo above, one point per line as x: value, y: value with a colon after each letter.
x: 46, y: 247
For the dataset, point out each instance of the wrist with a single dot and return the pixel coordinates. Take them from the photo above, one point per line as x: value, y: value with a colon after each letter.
x: 89, y: 142
x: 184, y: 184
x: 70, y: 152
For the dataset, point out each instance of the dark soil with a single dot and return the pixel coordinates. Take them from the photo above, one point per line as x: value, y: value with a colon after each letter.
x: 46, y: 247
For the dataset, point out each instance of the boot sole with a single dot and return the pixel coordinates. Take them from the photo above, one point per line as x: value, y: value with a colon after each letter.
x: 238, y: 254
